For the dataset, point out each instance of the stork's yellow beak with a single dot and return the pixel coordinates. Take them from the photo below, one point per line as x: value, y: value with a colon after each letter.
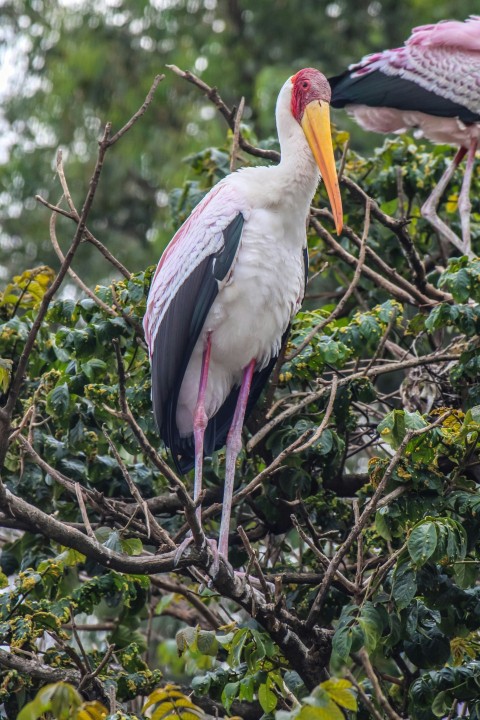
x: 316, y: 126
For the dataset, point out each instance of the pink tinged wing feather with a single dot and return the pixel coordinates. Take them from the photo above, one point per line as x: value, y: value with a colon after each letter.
x: 451, y: 33
x: 198, y: 237
x: 442, y: 58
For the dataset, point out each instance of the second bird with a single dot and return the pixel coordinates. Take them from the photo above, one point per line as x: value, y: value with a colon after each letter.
x: 432, y: 85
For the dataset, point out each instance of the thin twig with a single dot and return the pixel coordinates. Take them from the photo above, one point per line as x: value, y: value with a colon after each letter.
x: 141, y: 111
x: 73, y: 274
x: 326, y: 418
x: 158, y: 532
x: 347, y: 584
x: 176, y: 587
x: 87, y: 679
x: 399, y: 228
x: 254, y: 561
x: 337, y: 311
x: 83, y: 511
x: 374, y: 372
x: 354, y: 533
x: 87, y: 236
x: 228, y: 114
x: 85, y: 657
x: 30, y: 413
x: 381, y: 697
x: 359, y: 568
x: 365, y: 699
x: 381, y: 344
x: 63, y: 182
x: 49, y: 294
x: 126, y: 414
x: 395, y: 290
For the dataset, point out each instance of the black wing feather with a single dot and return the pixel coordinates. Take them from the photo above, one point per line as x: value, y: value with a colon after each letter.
x: 179, y: 332
x: 376, y: 89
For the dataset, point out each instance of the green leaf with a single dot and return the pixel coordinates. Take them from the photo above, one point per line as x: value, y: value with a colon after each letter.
x: 395, y: 425
x: 207, y: 642
x: 59, y: 698
x: 441, y: 705
x: 229, y: 694
x: 404, y: 586
x: 371, y: 624
x: 247, y: 688
x: 58, y: 400
x: 422, y: 542
x: 342, y: 642
x: 267, y: 698
x: 458, y: 283
x: 131, y: 546
x: 381, y: 525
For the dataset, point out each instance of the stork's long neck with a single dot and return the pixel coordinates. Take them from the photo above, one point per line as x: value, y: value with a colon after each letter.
x: 297, y: 169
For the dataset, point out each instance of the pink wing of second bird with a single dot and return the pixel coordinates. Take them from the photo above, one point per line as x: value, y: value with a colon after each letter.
x: 431, y: 83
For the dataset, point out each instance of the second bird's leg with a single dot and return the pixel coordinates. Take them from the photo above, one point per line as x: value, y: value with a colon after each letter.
x: 233, y: 447
x: 429, y: 208
x: 464, y: 202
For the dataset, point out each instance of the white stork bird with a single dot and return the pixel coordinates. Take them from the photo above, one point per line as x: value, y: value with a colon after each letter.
x: 228, y: 285
x: 431, y: 84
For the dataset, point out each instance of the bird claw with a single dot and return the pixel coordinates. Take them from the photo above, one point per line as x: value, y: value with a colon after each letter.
x: 213, y: 547
x: 181, y: 549
x: 214, y: 568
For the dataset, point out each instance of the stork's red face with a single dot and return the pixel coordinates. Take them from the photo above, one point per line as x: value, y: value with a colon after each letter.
x: 311, y: 109
x: 309, y: 85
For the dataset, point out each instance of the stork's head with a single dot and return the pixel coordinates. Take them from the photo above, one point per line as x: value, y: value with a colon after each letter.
x: 310, y: 106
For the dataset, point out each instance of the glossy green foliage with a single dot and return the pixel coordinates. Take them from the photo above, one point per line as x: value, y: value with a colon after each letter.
x: 404, y: 422
x: 417, y: 602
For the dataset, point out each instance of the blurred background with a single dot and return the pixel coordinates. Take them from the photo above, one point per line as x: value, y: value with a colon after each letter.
x: 68, y: 66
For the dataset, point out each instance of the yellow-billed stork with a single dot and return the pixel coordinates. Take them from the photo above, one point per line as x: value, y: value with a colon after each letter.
x: 228, y: 285
x: 432, y: 85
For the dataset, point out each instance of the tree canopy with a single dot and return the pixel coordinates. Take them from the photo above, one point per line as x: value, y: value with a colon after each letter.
x: 356, y: 507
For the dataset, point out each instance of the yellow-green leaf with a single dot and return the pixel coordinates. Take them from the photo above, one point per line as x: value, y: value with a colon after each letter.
x: 341, y: 691
x: 92, y: 711
x: 331, y: 711
x: 5, y: 370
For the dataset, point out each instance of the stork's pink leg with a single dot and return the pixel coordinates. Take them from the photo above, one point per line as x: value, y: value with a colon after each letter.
x: 233, y: 447
x: 464, y: 202
x: 200, y: 422
x: 429, y: 208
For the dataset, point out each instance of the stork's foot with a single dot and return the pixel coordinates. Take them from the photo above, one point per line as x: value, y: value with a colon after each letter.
x: 213, y: 551
x: 218, y: 556
x: 181, y: 549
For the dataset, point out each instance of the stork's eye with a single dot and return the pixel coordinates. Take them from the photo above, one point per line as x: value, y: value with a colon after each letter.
x: 305, y: 84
